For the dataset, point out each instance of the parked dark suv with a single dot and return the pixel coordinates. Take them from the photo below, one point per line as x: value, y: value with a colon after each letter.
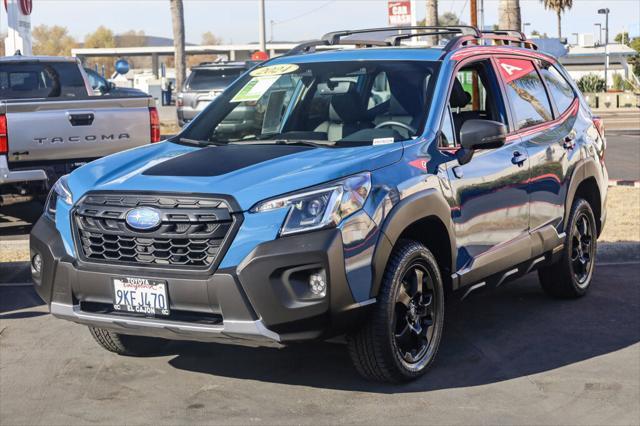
x: 371, y: 182
x: 205, y: 83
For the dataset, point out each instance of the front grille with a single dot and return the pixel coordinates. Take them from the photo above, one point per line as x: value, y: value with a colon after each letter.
x: 192, y: 234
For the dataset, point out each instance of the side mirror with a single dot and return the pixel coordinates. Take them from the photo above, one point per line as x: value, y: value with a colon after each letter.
x: 480, y: 134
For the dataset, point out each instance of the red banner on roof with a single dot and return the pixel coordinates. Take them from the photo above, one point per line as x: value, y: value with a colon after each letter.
x: 513, y: 69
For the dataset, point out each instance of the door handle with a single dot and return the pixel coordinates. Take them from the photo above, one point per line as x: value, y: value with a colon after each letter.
x: 85, y: 119
x: 569, y: 141
x: 519, y: 158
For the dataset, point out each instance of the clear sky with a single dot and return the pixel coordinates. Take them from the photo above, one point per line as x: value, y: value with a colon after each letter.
x: 236, y: 20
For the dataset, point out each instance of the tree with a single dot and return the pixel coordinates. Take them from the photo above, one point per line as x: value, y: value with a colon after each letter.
x: 635, y: 60
x: 431, y: 19
x: 52, y: 41
x: 559, y: 7
x: 623, y: 38
x: 509, y: 12
x: 101, y: 37
x: 210, y: 39
x: 177, y: 18
x: 449, y: 18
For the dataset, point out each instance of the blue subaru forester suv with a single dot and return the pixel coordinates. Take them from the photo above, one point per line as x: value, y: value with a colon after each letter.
x: 369, y: 183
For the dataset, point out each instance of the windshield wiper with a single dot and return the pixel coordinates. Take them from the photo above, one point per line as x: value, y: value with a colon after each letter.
x: 197, y: 142
x: 305, y: 142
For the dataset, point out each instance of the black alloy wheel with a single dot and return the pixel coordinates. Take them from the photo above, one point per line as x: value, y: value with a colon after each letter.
x: 414, y: 316
x: 582, y: 249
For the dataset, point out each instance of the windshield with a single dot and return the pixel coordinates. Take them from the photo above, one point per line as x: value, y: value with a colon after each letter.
x: 329, y: 103
x: 212, y: 79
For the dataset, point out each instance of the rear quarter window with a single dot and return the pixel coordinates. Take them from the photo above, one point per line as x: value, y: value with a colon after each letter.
x: 525, y: 91
x: 204, y: 79
x: 559, y: 88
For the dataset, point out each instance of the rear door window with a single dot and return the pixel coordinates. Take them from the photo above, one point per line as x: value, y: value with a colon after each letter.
x: 559, y: 88
x: 525, y: 91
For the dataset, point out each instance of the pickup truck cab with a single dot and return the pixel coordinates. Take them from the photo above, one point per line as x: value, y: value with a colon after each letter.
x: 51, y: 122
x: 374, y: 182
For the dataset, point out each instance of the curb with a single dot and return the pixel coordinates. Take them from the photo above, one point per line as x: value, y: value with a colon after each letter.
x: 625, y: 183
x: 617, y: 253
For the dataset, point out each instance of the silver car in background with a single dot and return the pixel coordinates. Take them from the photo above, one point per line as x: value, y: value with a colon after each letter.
x: 205, y: 82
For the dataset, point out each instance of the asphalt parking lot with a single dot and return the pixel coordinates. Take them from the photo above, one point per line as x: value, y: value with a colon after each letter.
x: 508, y: 356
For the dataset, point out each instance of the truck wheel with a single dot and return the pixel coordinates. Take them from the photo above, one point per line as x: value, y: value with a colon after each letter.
x: 401, y: 337
x: 570, y: 277
x: 124, y: 344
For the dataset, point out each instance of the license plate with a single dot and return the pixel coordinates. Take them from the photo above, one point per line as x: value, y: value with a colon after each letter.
x: 140, y: 295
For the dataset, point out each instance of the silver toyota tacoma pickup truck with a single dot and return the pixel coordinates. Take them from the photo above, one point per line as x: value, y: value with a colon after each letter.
x: 51, y: 123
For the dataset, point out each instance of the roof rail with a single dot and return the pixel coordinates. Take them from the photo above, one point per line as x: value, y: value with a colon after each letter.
x: 335, y: 36
x: 310, y: 46
x: 464, y: 35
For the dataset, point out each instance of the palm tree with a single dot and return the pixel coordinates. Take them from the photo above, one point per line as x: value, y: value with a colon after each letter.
x: 559, y: 7
x: 432, y: 19
x: 509, y: 12
x: 177, y: 18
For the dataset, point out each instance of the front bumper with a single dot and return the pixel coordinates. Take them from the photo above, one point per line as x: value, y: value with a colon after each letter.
x: 8, y: 176
x: 263, y: 300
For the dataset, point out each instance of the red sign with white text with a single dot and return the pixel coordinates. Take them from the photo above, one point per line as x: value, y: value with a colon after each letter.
x: 513, y: 69
x: 399, y: 13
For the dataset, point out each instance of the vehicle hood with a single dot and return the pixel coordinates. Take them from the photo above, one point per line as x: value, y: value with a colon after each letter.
x: 248, y: 173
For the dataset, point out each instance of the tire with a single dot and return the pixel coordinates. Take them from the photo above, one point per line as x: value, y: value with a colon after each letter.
x: 381, y: 349
x: 570, y: 277
x: 124, y: 344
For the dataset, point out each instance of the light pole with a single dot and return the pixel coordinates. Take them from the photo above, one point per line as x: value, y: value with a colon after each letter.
x: 524, y: 27
x: 605, y: 12
x: 262, y: 28
x: 599, y: 25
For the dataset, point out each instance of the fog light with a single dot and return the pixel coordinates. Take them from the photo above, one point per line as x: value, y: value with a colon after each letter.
x: 318, y: 285
x: 36, y: 264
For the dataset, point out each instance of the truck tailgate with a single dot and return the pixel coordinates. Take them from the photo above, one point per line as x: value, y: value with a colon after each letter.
x: 75, y: 129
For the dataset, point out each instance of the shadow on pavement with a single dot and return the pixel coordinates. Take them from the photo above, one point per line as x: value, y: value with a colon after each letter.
x: 494, y: 336
x: 17, y: 219
x: 13, y: 298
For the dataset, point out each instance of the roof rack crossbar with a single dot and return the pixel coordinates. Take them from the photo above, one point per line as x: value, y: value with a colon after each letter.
x: 509, y: 33
x: 335, y: 36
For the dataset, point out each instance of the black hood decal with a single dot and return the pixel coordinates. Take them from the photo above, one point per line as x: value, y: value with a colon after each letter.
x: 220, y: 160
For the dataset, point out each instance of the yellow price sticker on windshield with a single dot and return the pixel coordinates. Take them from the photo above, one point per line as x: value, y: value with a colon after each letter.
x: 274, y: 70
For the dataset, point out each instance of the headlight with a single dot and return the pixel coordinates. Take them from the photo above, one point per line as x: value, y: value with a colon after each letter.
x: 321, y: 207
x: 60, y: 190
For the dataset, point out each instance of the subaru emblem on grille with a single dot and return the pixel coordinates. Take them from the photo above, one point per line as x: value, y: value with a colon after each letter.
x: 143, y: 218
